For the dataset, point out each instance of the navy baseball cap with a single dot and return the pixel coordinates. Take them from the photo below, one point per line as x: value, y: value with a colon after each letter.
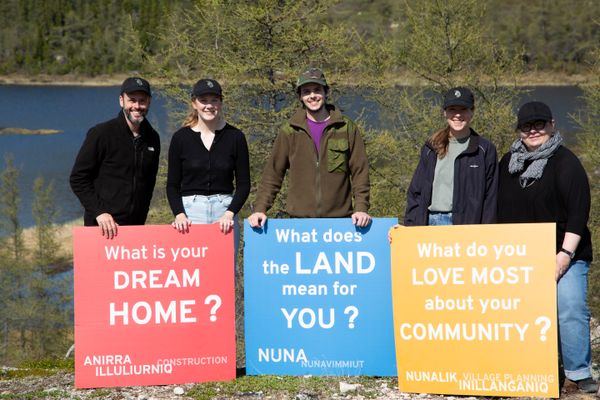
x: 459, y: 96
x: 136, y: 84
x: 207, y: 86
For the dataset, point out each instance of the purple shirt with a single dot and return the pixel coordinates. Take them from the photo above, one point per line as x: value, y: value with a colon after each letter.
x: 316, y: 131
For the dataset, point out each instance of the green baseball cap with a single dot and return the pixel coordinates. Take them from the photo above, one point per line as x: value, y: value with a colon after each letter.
x: 311, y: 75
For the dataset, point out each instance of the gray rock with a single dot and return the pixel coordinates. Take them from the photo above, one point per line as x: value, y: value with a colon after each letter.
x: 178, y: 391
x: 349, y: 387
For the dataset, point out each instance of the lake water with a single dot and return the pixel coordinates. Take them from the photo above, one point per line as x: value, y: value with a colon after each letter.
x: 74, y: 110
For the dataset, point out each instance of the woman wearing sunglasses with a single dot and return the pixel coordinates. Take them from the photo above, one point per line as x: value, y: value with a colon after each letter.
x: 543, y: 181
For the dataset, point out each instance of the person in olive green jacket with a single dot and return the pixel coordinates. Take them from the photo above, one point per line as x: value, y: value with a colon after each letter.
x: 325, y: 157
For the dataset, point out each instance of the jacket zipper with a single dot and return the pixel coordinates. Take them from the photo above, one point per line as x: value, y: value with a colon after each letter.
x: 135, y: 170
x: 318, y: 178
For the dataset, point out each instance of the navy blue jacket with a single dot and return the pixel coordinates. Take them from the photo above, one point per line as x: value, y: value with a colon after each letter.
x: 475, y: 185
x: 113, y: 174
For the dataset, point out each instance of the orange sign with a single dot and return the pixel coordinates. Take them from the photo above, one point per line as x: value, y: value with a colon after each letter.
x: 475, y: 309
x: 153, y: 306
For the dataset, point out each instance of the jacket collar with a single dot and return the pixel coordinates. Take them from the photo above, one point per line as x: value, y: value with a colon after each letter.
x: 144, y: 127
x: 473, y: 142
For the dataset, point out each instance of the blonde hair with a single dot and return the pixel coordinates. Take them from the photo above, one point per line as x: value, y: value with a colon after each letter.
x: 439, y: 141
x: 191, y: 119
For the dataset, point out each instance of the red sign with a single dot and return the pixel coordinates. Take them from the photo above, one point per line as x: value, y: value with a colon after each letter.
x: 153, y: 306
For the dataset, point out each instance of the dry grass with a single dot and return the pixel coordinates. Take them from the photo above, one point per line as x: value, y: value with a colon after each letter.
x: 64, y: 236
x: 25, y: 131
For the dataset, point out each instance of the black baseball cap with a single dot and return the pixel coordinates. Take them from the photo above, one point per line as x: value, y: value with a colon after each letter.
x: 533, y: 111
x: 207, y: 86
x: 136, y: 84
x: 459, y: 96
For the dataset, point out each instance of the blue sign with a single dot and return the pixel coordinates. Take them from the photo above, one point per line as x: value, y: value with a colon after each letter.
x: 318, y: 298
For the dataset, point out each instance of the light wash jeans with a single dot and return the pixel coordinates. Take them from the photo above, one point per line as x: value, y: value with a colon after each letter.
x: 574, y: 321
x: 436, y: 218
x: 208, y: 209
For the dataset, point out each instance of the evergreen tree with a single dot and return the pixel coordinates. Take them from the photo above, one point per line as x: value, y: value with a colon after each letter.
x: 9, y: 209
x: 58, y: 36
x: 35, y: 317
x: 588, y: 149
x: 447, y: 45
x: 13, y: 269
x: 256, y: 50
x: 45, y: 212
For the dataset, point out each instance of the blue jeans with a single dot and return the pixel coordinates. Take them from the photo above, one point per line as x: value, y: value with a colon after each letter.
x: 574, y: 321
x: 208, y: 209
x: 438, y: 218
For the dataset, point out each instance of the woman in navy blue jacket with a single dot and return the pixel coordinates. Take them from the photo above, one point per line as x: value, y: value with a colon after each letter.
x: 456, y: 179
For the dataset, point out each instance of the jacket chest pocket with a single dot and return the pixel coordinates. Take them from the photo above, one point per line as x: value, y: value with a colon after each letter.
x: 337, y: 155
x: 148, y: 155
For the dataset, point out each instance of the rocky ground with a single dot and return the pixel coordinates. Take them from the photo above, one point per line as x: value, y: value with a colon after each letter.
x: 60, y: 386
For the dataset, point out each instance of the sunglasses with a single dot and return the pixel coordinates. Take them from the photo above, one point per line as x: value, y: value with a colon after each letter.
x: 537, y: 125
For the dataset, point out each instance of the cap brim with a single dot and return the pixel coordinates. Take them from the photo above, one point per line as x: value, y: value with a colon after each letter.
x: 317, y: 81
x: 533, y: 118
x: 202, y: 93
x: 457, y: 102
x: 137, y: 90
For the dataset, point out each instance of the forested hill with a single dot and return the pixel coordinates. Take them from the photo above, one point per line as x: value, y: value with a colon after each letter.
x: 92, y: 37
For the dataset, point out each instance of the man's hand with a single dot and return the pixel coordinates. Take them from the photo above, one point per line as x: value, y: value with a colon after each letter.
x: 361, y: 219
x: 257, y: 219
x: 107, y: 225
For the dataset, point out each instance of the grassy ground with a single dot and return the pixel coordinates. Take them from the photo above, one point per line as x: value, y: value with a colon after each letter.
x: 64, y: 236
x: 55, y: 380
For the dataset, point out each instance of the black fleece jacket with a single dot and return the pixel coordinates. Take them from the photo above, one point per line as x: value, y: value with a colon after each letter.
x: 561, y: 195
x: 115, y: 173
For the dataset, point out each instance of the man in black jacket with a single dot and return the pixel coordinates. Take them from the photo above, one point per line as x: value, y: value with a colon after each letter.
x: 115, y: 171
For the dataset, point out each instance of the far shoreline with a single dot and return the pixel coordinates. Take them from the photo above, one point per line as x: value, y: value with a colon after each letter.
x: 523, y: 80
x: 61, y: 80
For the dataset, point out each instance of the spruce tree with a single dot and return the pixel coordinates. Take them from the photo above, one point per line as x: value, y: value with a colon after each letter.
x: 442, y: 45
x: 588, y: 149
x: 256, y: 50
x: 10, y: 202
x: 45, y: 212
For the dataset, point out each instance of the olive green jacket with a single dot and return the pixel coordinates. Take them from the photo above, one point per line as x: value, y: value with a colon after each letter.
x: 320, y: 184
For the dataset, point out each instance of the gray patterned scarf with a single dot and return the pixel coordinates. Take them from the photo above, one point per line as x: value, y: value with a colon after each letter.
x: 519, y: 155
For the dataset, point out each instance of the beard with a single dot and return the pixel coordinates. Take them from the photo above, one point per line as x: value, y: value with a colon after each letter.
x: 132, y: 119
